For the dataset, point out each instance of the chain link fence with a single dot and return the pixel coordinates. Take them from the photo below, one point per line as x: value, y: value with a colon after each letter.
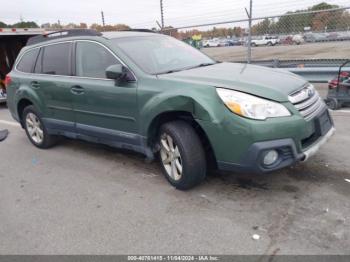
x: 317, y: 35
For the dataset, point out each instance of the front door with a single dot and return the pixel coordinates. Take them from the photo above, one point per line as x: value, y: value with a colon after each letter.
x: 103, y: 110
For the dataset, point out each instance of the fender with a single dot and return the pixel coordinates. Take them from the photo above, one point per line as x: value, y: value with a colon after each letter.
x: 170, y: 102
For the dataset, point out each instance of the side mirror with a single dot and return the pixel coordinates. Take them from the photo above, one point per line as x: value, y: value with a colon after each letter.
x: 116, y: 72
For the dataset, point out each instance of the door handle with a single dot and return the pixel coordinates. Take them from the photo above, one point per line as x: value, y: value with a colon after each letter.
x: 77, y: 90
x: 35, y: 84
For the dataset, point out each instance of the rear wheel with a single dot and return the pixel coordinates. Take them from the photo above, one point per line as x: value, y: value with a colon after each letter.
x: 35, y: 129
x: 181, y: 155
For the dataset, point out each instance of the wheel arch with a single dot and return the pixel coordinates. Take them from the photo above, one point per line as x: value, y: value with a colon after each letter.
x: 21, y: 105
x: 26, y: 97
x: 188, y: 117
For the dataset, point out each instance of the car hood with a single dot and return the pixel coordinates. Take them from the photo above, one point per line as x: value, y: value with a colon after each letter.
x: 274, y: 84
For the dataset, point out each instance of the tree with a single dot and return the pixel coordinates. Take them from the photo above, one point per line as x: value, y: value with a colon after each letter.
x: 295, y: 22
x: 117, y: 27
x: 262, y: 27
x: 169, y: 30
x: 28, y: 24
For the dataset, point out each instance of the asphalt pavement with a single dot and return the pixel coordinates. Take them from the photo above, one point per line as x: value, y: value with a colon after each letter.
x: 82, y: 198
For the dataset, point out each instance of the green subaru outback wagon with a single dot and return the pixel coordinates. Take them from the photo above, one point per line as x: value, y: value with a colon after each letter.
x: 158, y: 96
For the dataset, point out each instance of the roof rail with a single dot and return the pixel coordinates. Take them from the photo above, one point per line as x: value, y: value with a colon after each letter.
x: 140, y: 30
x: 62, y: 34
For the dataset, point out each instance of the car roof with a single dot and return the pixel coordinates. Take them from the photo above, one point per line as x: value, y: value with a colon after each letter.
x: 122, y: 34
x: 76, y: 34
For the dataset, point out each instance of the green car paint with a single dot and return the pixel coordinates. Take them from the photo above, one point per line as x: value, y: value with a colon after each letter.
x: 132, y: 111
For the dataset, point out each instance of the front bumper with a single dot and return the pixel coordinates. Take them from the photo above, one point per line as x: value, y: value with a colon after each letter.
x: 286, y: 148
x: 314, y: 148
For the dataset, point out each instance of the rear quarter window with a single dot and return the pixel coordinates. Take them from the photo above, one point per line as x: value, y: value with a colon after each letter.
x: 27, y: 61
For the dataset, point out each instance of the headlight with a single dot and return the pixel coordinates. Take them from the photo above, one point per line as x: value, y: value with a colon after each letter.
x: 251, y: 106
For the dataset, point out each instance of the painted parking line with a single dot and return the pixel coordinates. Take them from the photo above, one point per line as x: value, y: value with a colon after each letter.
x: 342, y: 111
x: 9, y: 123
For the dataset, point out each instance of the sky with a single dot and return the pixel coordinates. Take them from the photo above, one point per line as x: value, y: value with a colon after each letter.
x: 145, y: 13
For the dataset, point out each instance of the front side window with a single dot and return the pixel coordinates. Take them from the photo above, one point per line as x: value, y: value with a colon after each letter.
x: 92, y: 60
x: 27, y: 61
x: 56, y: 59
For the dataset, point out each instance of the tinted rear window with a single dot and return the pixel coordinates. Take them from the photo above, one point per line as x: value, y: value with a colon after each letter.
x: 27, y: 61
x: 56, y: 59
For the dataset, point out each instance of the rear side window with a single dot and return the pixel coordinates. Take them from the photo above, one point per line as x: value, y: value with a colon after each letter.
x: 56, y: 59
x: 27, y: 61
x: 92, y: 60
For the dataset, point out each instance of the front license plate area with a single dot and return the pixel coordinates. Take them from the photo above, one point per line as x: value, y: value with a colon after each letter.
x: 323, y: 123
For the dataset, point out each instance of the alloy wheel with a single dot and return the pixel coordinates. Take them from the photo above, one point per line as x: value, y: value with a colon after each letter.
x: 34, y: 128
x: 171, y: 157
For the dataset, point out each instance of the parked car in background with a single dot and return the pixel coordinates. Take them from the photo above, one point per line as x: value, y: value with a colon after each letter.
x: 224, y: 42
x: 211, y: 43
x: 234, y: 42
x: 311, y: 37
x: 265, y: 40
x: 333, y: 36
x: 344, y: 36
x: 286, y: 39
x: 298, y: 39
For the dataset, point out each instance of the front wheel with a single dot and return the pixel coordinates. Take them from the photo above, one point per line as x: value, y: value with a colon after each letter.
x: 182, y: 156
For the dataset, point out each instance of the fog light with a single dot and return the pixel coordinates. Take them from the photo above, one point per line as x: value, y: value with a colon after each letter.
x: 270, y: 157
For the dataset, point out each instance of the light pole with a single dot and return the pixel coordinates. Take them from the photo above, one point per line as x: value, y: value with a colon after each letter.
x: 249, y: 51
x: 161, y: 14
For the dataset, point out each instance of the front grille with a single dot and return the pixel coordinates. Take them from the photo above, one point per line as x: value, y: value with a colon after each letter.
x: 307, y: 101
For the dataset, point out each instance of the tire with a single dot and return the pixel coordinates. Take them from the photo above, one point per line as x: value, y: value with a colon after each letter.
x: 40, y: 138
x: 333, y: 103
x: 269, y: 44
x: 187, y: 145
x: 253, y: 44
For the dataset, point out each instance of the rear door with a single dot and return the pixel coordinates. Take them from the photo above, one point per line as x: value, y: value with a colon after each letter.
x: 52, y: 79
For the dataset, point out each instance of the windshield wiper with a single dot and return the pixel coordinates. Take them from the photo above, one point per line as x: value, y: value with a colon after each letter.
x: 169, y: 71
x: 186, y: 68
x: 200, y: 65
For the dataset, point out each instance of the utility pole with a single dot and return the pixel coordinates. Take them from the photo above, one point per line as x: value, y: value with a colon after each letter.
x: 103, y: 18
x: 249, y: 43
x: 162, y: 14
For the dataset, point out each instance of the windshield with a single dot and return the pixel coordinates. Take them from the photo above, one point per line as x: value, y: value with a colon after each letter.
x: 161, y: 54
